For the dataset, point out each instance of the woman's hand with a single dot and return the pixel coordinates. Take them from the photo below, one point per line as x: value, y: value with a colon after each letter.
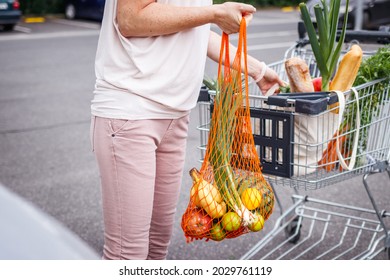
x: 229, y: 14
x: 268, y: 81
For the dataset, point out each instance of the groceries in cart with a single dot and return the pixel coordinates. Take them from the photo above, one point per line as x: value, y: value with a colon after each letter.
x: 229, y: 196
x: 321, y: 93
x: 323, y: 127
x: 372, y: 103
x: 318, y: 137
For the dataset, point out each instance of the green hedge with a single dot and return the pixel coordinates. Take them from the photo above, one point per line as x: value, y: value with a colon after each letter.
x: 267, y: 3
x: 42, y: 7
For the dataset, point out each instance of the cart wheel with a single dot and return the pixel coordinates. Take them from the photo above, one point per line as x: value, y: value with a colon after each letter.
x: 293, y: 233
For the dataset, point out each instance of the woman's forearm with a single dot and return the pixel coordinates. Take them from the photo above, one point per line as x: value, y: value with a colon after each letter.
x: 142, y: 18
x: 149, y: 18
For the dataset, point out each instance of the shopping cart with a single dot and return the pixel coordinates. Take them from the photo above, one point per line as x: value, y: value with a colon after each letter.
x: 289, y: 158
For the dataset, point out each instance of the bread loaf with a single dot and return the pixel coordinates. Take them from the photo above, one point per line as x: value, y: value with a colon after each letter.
x: 298, y: 75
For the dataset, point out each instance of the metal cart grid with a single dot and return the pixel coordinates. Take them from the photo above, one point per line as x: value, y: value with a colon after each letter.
x: 373, y: 157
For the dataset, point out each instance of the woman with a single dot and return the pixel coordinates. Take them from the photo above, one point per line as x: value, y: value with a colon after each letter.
x: 149, y: 68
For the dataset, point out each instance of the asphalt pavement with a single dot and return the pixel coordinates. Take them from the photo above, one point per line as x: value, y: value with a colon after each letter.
x: 46, y: 84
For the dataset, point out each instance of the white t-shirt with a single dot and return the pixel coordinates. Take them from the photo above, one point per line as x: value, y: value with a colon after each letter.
x: 150, y: 77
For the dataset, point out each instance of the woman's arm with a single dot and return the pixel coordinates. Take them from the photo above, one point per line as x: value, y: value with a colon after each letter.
x: 148, y: 18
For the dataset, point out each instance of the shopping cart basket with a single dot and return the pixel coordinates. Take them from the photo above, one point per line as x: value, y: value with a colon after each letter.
x: 284, y: 151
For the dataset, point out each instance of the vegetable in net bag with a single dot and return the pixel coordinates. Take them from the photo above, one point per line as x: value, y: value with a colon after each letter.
x: 229, y: 196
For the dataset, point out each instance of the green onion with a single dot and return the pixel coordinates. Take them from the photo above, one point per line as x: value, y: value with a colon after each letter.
x: 324, y: 46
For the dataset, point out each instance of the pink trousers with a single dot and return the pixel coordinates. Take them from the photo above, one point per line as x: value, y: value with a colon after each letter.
x: 141, y: 165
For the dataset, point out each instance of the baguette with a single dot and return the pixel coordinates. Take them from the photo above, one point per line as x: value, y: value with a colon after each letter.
x: 346, y: 72
x: 298, y: 75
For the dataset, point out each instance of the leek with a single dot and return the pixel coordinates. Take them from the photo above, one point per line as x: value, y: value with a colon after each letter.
x: 324, y: 46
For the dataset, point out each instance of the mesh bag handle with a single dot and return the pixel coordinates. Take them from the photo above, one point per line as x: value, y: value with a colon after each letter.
x: 229, y: 196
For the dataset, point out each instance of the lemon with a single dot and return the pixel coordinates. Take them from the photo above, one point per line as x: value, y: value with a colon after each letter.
x: 251, y: 198
x: 257, y: 223
x: 231, y: 221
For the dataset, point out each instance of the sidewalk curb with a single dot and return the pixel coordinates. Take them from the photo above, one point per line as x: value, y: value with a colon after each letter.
x: 289, y: 9
x: 34, y: 19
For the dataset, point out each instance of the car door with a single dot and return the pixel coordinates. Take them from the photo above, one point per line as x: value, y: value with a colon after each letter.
x: 98, y: 8
x: 86, y: 8
x: 380, y: 12
x: 93, y: 8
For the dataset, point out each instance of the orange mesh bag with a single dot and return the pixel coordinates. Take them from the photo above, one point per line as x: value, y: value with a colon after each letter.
x: 229, y: 196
